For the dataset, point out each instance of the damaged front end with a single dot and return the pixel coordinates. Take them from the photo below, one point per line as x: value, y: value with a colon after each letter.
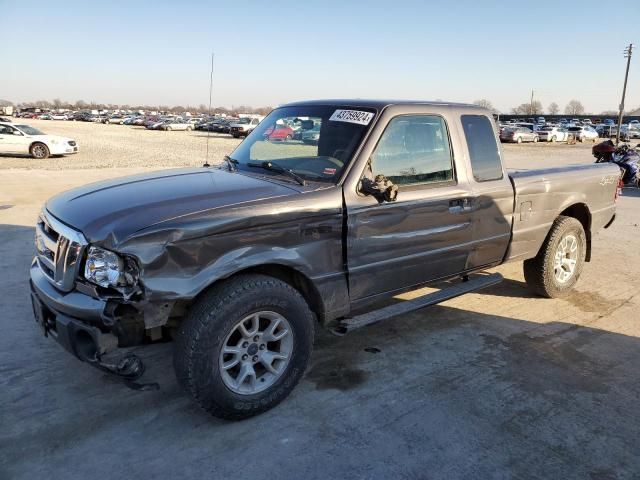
x: 91, y: 300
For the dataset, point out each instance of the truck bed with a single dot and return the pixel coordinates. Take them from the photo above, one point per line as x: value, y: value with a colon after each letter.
x: 540, y: 195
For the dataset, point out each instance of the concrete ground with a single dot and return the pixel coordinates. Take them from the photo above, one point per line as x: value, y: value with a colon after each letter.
x: 499, y: 384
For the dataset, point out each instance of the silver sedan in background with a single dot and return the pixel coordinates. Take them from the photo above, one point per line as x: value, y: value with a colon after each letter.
x: 518, y: 135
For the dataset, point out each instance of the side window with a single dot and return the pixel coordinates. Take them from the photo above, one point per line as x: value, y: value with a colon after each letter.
x: 483, y: 149
x: 414, y: 149
x: 5, y: 130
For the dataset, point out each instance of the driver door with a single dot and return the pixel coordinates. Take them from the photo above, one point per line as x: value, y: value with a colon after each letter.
x: 426, y: 233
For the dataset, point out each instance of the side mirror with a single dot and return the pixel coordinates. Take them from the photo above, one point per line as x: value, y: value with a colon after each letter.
x: 306, y: 124
x: 16, y: 132
x: 380, y: 187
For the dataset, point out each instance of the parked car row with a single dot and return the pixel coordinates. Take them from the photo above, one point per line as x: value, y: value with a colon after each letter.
x: 536, y: 132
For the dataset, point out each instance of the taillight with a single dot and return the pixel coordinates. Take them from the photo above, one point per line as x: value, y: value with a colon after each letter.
x: 618, y: 189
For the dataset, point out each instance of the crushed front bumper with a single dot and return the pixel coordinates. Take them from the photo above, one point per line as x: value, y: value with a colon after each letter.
x: 70, y: 318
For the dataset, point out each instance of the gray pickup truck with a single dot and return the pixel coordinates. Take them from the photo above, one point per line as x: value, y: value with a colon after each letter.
x: 238, y: 264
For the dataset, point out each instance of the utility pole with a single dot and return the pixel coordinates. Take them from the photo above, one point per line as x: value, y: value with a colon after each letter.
x: 627, y: 54
x: 531, y: 104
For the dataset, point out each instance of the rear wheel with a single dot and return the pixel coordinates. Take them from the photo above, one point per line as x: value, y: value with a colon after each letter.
x: 558, y: 265
x: 39, y: 151
x: 244, y: 346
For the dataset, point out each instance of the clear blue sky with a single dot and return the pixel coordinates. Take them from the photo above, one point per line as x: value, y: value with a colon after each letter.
x: 270, y: 52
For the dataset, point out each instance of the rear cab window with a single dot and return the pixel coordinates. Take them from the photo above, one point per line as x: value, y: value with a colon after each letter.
x: 484, y: 154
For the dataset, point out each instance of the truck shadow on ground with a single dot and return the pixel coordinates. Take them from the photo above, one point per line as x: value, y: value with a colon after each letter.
x: 509, y: 288
x: 507, y: 387
x: 631, y: 192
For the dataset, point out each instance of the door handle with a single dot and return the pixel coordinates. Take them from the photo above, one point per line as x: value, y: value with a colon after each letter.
x: 460, y: 205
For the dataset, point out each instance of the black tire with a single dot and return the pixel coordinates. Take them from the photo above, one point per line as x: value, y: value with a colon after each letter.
x: 539, y: 271
x: 205, y: 329
x: 39, y: 151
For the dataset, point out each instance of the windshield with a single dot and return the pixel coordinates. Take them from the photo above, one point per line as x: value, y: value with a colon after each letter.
x: 29, y: 130
x: 280, y: 139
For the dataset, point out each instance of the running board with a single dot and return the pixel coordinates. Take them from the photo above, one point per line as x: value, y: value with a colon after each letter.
x: 347, y: 325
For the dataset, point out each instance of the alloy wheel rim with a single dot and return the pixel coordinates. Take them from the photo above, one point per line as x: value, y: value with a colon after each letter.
x: 256, y: 352
x: 566, y: 259
x: 38, y: 151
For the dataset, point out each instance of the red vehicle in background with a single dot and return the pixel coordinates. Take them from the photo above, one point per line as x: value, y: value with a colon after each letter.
x: 281, y: 132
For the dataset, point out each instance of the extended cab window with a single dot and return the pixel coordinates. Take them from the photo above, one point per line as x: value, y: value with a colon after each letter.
x: 483, y: 148
x: 414, y: 149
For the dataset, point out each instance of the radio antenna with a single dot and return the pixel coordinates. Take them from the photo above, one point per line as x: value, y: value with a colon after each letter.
x: 206, y: 161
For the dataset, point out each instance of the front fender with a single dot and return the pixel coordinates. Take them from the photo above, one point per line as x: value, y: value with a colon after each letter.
x: 176, y: 268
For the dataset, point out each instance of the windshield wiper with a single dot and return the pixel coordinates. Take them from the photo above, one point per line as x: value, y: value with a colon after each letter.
x: 232, y: 163
x: 274, y: 167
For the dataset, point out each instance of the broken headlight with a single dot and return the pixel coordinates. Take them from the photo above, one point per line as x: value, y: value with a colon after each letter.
x: 108, y: 269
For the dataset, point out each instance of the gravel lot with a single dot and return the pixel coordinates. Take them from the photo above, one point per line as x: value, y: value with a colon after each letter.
x: 107, y: 146
x: 122, y: 146
x: 499, y: 384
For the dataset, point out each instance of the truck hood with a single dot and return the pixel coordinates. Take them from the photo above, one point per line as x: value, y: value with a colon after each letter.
x: 121, y: 207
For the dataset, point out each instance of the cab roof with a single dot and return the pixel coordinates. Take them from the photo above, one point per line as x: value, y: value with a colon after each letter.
x: 376, y: 104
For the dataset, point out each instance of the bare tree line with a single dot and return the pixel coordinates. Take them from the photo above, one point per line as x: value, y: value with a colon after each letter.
x: 573, y: 107
x: 56, y: 104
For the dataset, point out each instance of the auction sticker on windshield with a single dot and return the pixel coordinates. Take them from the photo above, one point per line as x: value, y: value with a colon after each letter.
x: 352, y: 116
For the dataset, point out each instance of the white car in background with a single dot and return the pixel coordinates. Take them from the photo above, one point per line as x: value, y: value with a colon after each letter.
x: 552, y: 134
x: 584, y: 133
x: 59, y: 116
x: 20, y: 139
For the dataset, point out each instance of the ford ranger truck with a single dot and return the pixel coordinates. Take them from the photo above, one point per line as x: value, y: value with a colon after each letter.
x: 240, y: 263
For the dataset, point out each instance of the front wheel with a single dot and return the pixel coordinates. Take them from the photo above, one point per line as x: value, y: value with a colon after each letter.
x: 535, y: 139
x: 553, y: 139
x: 244, y: 346
x: 39, y: 151
x: 556, y: 269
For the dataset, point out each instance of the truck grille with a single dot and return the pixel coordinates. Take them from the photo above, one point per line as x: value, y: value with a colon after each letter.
x: 59, y: 251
